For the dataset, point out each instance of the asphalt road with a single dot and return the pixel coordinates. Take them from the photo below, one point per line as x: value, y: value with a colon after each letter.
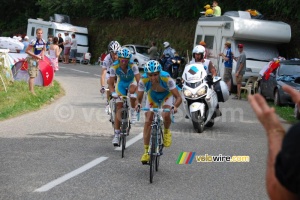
x: 64, y: 151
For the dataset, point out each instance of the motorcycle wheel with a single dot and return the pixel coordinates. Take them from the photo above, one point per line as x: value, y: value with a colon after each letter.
x: 210, y: 123
x: 198, y: 123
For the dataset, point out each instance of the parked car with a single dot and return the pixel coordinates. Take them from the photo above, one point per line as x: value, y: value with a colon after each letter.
x: 139, y: 54
x: 288, y: 73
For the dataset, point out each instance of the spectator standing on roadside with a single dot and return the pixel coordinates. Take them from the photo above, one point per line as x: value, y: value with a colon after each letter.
x: 67, y: 47
x: 26, y: 43
x: 61, y: 45
x: 216, y: 9
x: 202, y: 43
x: 73, y: 48
x: 240, y: 69
x: 54, y: 52
x: 153, y: 51
x: 283, y: 160
x: 227, y: 57
x: 35, y: 51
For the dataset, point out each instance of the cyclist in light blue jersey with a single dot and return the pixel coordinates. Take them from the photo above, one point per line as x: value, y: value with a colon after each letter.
x: 128, y: 76
x: 161, y: 89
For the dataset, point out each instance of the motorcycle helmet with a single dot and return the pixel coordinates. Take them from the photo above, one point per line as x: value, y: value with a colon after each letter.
x: 166, y: 44
x: 222, y: 91
x: 114, y: 47
x: 124, y: 53
x: 199, y: 49
x: 152, y: 66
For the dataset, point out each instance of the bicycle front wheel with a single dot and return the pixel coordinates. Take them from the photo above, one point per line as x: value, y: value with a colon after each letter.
x: 153, y: 152
x: 123, y: 144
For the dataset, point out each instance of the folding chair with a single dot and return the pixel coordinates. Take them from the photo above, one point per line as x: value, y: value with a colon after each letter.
x: 250, y: 85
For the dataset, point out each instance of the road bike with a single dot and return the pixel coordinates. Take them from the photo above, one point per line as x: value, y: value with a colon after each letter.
x: 125, y: 123
x: 156, y: 144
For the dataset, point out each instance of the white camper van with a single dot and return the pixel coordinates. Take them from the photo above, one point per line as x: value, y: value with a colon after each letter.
x: 60, y: 24
x: 259, y: 37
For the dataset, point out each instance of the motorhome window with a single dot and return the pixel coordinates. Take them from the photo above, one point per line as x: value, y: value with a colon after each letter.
x: 51, y: 32
x: 209, y: 40
x: 82, y: 39
x: 256, y: 50
x: 32, y: 31
x: 227, y: 26
x: 199, y: 38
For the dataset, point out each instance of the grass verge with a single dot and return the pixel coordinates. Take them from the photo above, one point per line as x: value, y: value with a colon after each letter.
x: 285, y: 112
x: 18, y: 100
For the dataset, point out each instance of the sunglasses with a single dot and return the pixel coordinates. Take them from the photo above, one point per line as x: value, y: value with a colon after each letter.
x: 124, y: 60
x: 150, y: 75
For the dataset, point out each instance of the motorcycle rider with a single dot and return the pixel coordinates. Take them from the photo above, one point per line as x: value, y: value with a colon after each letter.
x: 161, y: 89
x: 169, y: 52
x: 199, y: 57
x: 113, y: 48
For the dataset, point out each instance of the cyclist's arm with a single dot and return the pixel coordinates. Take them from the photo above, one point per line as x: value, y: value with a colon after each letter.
x: 175, y: 93
x: 140, y: 93
x: 177, y: 96
x: 111, y: 81
x: 103, y: 74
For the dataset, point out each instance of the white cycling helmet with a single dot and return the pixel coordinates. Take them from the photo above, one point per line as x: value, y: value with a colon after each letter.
x: 114, y: 47
x: 166, y: 44
x: 222, y: 91
x: 199, y: 49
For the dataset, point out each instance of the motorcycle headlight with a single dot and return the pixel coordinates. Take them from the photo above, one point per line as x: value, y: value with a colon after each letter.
x: 202, y: 91
x: 173, y: 61
x: 187, y: 93
x: 178, y: 61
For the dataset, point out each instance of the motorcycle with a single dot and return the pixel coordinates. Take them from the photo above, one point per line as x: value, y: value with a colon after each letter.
x: 172, y: 65
x: 201, y: 94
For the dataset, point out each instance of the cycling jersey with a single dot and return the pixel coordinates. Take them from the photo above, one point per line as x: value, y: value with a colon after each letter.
x: 155, y: 98
x: 124, y: 79
x: 107, y: 63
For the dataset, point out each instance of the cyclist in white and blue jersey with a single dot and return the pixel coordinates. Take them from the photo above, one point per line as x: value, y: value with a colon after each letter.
x: 128, y: 76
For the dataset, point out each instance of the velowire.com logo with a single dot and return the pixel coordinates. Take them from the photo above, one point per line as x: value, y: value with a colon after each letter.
x: 188, y: 157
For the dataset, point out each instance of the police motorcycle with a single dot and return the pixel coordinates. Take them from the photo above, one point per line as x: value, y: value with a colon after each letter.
x: 201, y: 94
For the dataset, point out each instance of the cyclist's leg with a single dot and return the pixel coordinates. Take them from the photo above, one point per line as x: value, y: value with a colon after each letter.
x: 147, y: 132
x: 168, y: 102
x: 119, y: 104
x: 133, y: 101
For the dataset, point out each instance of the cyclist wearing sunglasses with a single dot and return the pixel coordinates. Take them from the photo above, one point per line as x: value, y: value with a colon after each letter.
x: 113, y: 48
x: 128, y: 76
x: 161, y: 89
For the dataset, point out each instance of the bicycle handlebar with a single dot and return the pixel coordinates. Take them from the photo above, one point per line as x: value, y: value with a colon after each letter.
x: 157, y: 110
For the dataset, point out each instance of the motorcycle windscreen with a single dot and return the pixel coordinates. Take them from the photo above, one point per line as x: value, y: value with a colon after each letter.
x: 194, y: 73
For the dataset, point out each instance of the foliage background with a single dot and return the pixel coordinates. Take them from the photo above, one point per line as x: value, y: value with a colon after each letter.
x: 140, y: 21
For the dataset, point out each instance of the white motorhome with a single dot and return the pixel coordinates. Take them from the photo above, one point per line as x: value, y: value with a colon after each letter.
x: 260, y: 39
x: 60, y: 24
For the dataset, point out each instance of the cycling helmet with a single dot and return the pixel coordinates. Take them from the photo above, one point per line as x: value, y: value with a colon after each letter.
x: 124, y: 53
x: 152, y: 66
x: 199, y: 49
x: 166, y: 44
x: 114, y: 46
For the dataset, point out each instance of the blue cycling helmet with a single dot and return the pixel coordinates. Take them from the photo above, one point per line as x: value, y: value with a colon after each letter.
x: 124, y: 53
x: 152, y: 66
